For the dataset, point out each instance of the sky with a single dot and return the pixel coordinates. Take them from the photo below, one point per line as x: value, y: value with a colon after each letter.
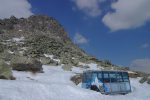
x: 115, y: 30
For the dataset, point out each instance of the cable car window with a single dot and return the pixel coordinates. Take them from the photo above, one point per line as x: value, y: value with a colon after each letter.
x: 113, y: 77
x: 106, y: 80
x: 94, y: 74
x: 84, y: 78
x: 106, y: 75
x: 88, y: 76
x: 125, y: 75
x: 119, y: 77
x: 99, y: 75
x: 119, y: 80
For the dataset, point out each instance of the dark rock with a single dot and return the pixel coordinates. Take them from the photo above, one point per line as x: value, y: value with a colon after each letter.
x: 26, y: 64
x: 148, y: 81
x: 2, y: 47
x: 77, y: 79
x: 45, y: 60
x: 133, y: 75
x: 143, y: 79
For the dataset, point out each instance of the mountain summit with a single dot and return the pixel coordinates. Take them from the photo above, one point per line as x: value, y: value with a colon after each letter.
x: 35, y: 27
x: 38, y: 37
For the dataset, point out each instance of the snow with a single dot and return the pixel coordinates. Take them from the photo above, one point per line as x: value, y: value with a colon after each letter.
x: 18, y: 39
x: 20, y: 30
x: 7, y: 62
x: 52, y: 57
x: 21, y: 52
x: 49, y: 56
x: 92, y: 66
x: 83, y: 64
x: 77, y: 69
x: 55, y: 84
x: 10, y: 52
x: 24, y: 48
x: 131, y: 72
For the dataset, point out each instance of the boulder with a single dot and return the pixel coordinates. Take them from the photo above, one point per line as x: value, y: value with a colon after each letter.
x: 77, y: 79
x: 67, y: 67
x: 48, y: 61
x: 23, y: 63
x: 143, y: 79
x: 53, y: 62
x: 133, y: 74
x: 148, y: 81
x: 75, y: 62
x: 5, y: 71
x: 64, y: 60
x: 45, y: 60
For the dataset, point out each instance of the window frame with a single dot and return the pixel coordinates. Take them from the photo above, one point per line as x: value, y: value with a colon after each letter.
x: 107, y: 79
x: 113, y: 79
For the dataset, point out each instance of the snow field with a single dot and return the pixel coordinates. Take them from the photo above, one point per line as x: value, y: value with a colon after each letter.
x: 55, y: 84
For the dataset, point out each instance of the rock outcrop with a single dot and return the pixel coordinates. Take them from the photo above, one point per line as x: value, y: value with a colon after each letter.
x: 5, y: 71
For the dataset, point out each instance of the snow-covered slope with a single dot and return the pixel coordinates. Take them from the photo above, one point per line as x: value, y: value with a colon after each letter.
x: 55, y: 84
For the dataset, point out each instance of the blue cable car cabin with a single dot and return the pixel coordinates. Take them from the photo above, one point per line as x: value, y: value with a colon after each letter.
x: 107, y: 82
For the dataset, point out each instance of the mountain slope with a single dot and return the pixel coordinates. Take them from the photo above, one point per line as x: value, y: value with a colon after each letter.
x: 39, y: 35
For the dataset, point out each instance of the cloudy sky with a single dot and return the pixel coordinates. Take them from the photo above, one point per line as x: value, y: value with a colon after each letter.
x: 118, y: 30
